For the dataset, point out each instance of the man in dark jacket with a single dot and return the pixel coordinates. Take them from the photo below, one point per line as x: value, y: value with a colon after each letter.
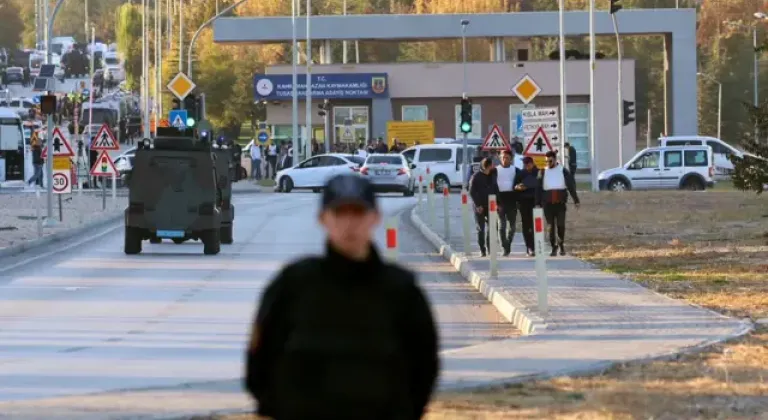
x: 483, y: 184
x: 345, y: 336
x: 526, y: 183
x: 555, y: 184
x: 506, y: 174
x: 571, y: 158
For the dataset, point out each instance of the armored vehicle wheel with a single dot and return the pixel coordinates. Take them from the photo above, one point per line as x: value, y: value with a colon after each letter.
x: 155, y: 240
x: 226, y: 234
x: 178, y: 241
x: 211, y: 242
x: 132, y: 243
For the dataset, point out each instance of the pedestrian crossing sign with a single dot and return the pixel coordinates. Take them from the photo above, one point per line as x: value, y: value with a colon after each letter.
x: 347, y: 134
x: 495, y: 140
x: 105, y: 140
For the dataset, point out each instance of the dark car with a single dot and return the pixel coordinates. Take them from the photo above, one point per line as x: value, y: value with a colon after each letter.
x: 14, y: 75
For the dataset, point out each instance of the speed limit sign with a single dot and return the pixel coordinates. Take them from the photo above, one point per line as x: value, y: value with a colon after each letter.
x: 61, y: 182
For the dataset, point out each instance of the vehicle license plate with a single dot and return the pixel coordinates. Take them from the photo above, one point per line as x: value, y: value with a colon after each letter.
x: 170, y: 233
x: 382, y: 172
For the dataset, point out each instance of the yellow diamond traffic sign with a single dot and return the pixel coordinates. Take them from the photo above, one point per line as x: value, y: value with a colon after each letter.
x: 526, y: 89
x: 181, y: 86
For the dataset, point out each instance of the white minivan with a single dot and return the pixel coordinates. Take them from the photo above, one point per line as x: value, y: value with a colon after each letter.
x: 673, y: 167
x: 722, y: 150
x: 443, y: 160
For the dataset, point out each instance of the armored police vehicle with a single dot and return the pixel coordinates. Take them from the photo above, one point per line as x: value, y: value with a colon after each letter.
x: 173, y: 192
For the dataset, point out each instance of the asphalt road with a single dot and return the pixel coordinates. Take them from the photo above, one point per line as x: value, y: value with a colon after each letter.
x: 82, y: 317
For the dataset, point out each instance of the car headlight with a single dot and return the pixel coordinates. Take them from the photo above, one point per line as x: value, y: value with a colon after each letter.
x: 601, y: 176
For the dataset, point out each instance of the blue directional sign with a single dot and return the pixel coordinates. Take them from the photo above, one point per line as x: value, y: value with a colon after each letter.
x: 263, y: 136
x: 178, y: 118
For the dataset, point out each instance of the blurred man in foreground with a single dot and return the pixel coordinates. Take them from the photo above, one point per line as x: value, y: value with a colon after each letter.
x: 345, y: 335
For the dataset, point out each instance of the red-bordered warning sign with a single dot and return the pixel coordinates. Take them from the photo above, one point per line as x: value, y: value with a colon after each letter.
x: 104, y: 166
x: 104, y: 139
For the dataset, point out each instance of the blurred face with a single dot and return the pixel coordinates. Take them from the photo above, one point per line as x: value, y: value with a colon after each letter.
x: 506, y: 160
x: 350, y: 229
x: 529, y: 166
x: 551, y: 162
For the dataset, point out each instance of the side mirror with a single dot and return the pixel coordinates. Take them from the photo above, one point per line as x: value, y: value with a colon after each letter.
x: 413, y: 166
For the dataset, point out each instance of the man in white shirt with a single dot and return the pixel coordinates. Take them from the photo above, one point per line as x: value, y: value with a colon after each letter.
x: 255, y: 160
x: 507, y: 200
x: 555, y: 185
x: 361, y: 151
x: 271, y: 161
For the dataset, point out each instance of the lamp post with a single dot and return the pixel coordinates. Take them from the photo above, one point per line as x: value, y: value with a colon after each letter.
x: 719, y: 101
x: 49, y: 221
x: 200, y: 29
x: 563, y: 93
x: 592, y: 131
x: 294, y: 81
x: 308, y: 98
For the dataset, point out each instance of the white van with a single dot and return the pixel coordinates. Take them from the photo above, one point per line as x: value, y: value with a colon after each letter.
x: 722, y: 150
x: 673, y: 167
x: 443, y: 160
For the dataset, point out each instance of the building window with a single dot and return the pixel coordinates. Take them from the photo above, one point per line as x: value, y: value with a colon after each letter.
x: 414, y: 113
x: 477, y: 123
x: 577, y: 122
x: 351, y: 124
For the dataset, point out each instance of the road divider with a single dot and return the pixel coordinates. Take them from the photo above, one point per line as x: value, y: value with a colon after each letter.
x: 392, y: 245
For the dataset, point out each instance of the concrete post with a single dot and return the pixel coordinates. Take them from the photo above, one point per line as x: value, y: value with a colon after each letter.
x: 541, y: 259
x: 493, y: 233
x: 392, y: 245
x: 447, y: 214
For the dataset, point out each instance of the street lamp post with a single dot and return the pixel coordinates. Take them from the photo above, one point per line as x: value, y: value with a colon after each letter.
x: 294, y: 80
x: 308, y: 99
x: 592, y: 142
x: 464, y: 24
x: 200, y: 29
x: 719, y: 102
x: 49, y: 221
x: 563, y: 93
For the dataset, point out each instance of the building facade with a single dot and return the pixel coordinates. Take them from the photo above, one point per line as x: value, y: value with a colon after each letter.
x: 364, y: 97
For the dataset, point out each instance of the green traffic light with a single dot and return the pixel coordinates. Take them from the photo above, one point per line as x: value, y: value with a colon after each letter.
x: 190, y: 122
x: 466, y: 127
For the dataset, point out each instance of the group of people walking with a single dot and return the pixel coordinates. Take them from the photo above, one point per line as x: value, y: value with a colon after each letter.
x: 521, y: 189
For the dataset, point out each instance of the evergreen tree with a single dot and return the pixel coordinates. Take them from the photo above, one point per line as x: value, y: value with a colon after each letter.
x: 751, y: 172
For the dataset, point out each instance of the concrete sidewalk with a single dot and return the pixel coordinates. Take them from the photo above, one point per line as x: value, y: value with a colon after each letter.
x: 594, y: 318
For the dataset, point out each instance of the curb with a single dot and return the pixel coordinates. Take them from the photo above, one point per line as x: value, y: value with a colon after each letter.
x: 59, y: 236
x: 516, y: 313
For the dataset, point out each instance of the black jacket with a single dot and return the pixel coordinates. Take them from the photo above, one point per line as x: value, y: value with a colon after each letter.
x: 531, y: 182
x: 338, y: 339
x: 554, y: 196
x: 481, y: 186
x: 37, y: 155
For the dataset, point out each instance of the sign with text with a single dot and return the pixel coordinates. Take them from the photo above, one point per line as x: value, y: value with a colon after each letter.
x: 324, y: 86
x: 411, y: 132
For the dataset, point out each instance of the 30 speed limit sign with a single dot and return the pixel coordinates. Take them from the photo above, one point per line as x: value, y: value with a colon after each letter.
x: 61, y: 182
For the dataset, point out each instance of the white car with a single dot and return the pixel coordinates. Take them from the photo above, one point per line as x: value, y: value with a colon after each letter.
x: 19, y: 105
x: 443, y: 160
x: 722, y: 150
x: 674, y: 167
x: 389, y: 173
x: 313, y: 173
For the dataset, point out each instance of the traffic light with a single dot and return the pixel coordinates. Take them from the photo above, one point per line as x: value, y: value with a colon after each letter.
x: 466, y: 116
x: 615, y: 7
x: 176, y: 103
x: 191, y: 105
x: 629, y: 112
x: 323, y: 108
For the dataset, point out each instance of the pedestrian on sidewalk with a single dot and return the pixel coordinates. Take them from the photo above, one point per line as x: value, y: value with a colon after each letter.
x: 343, y: 336
x: 271, y: 161
x: 555, y: 184
x: 255, y: 160
x: 526, y: 184
x: 483, y: 184
x: 506, y: 173
x: 37, y: 160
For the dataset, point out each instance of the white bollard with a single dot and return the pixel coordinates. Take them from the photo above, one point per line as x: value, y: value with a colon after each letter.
x: 465, y: 220
x: 392, y: 239
x: 114, y: 189
x: 493, y: 233
x: 447, y: 214
x: 37, y: 212
x: 431, y: 203
x: 421, y: 188
x: 541, y: 258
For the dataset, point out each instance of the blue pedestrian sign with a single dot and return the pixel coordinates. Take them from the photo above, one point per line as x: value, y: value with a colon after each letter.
x: 178, y: 118
x: 263, y: 136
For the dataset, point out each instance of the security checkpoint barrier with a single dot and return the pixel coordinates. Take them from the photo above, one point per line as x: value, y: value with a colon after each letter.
x: 541, y: 259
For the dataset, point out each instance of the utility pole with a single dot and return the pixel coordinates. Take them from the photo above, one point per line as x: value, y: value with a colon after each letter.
x: 85, y: 33
x: 621, y: 104
x: 181, y: 36
x: 308, y: 99
x: 592, y: 144
x: 756, y: 74
x: 344, y: 43
x: 37, y: 24
x: 563, y: 92
x: 294, y: 83
x: 50, y: 221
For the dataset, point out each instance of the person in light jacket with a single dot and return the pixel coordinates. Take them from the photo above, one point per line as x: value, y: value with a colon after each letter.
x: 555, y: 185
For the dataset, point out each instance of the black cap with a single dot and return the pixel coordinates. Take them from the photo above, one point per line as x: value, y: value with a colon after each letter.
x: 348, y: 189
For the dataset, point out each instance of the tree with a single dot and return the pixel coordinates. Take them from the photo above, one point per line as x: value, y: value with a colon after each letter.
x: 12, y: 26
x: 128, y: 33
x: 751, y: 172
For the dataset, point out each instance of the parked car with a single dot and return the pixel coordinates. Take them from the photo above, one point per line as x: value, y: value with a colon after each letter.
x: 314, y: 172
x: 443, y: 160
x: 722, y: 150
x: 390, y: 173
x: 14, y: 75
x: 690, y: 168
x: 20, y: 105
